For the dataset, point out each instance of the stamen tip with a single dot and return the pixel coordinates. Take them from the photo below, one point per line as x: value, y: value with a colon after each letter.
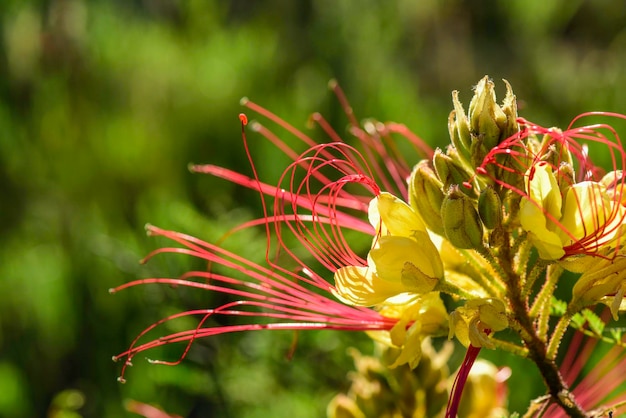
x: 149, y: 229
x: 244, y: 101
x: 121, y: 380
x: 332, y: 84
x: 111, y: 291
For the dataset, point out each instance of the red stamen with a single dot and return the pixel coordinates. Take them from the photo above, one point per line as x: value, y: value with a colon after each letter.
x: 459, y: 381
x: 513, y: 156
x: 267, y: 293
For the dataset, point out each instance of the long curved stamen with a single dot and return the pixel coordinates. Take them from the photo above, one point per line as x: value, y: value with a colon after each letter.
x: 268, y: 294
x: 312, y: 203
x: 603, y: 216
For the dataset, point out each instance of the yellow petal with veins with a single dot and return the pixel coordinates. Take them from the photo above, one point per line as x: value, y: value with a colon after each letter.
x: 396, y: 217
x: 361, y: 286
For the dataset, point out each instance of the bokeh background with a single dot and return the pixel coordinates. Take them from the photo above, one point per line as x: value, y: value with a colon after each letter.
x: 104, y: 103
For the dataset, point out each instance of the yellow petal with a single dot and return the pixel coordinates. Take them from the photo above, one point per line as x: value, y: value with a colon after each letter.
x: 391, y: 254
x: 547, y: 242
x: 540, y: 211
x: 544, y: 189
x: 397, y: 217
x: 361, y: 286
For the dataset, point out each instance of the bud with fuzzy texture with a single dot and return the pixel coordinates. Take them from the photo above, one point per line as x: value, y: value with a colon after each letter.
x: 509, y: 108
x: 459, y: 128
x: 486, y: 118
x: 426, y: 196
x: 449, y: 170
x: 490, y: 123
x: 490, y: 208
x: 461, y: 222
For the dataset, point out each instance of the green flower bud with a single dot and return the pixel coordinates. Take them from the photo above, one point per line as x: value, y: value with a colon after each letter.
x: 461, y: 223
x: 490, y: 208
x: 450, y: 170
x: 486, y: 118
x: 509, y: 107
x: 459, y: 128
x: 426, y: 196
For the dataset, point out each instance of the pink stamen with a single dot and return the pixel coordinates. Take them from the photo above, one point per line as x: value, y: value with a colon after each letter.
x: 323, y: 191
x: 459, y: 381
x: 268, y: 293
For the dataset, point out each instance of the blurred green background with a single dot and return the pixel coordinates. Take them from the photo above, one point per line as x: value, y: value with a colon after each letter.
x: 104, y: 103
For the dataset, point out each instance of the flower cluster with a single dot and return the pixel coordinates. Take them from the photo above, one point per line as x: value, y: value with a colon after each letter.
x: 467, y: 243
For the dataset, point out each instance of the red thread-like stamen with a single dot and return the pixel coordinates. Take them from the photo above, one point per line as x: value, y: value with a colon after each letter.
x: 514, y: 156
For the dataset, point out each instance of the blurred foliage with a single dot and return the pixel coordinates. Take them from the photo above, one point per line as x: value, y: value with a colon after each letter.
x: 104, y: 103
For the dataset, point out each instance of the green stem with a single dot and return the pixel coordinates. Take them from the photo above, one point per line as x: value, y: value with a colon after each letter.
x: 522, y: 248
x: 494, y: 287
x: 557, y: 335
x: 536, y: 271
x: 510, y: 347
x: 543, y: 301
x: 540, y: 354
x: 453, y: 290
x: 501, y: 276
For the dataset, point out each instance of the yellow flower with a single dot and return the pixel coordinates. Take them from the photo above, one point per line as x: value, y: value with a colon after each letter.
x: 585, y: 222
x: 402, y: 258
x: 418, y: 316
x: 473, y: 322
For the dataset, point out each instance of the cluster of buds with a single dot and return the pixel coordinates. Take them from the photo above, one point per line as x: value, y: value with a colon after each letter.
x: 449, y: 192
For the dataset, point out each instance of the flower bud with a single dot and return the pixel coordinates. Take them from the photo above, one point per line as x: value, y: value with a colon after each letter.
x: 459, y: 129
x: 490, y: 208
x: 509, y: 107
x: 461, y: 222
x: 485, y: 116
x: 426, y: 196
x: 449, y: 171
